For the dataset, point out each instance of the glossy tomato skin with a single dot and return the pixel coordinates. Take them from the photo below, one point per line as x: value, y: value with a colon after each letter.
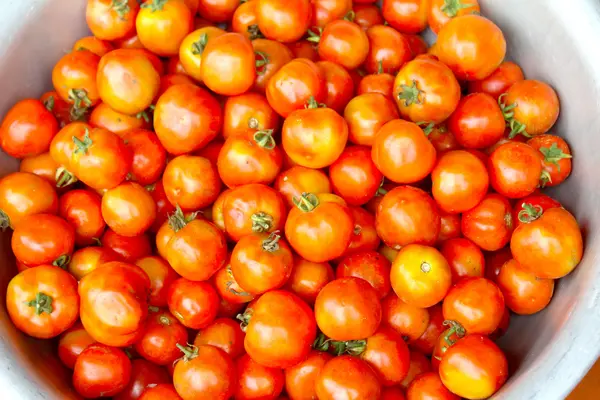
x: 108, y: 22
x: 278, y: 55
x: 224, y: 333
x: 354, y: 176
x: 477, y: 122
x: 536, y: 105
x: 303, y: 49
x: 296, y: 180
x: 162, y: 26
x: 246, y: 114
x: 162, y: 391
x: 389, y: 50
x: 350, y: 377
x: 364, y: 234
x: 339, y: 83
x: 42, y: 301
x: 407, y: 16
x: 387, y: 353
x: 41, y: 165
x: 487, y: 367
x: 367, y: 15
x: 87, y: 259
x: 228, y: 288
x: 366, y: 114
x: 325, y: 11
x: 161, y: 335
x: 308, y: 278
x: 449, y: 226
x: 557, y: 158
x: 71, y: 343
x: 149, y: 156
x: 395, y: 150
x: 370, y: 266
x: 499, y: 81
x: 429, y: 386
x: 216, y: 10
x: 128, y: 209
x: 300, y: 379
x: 489, y: 225
x: 194, y: 304
x: 382, y: 83
x: 345, y: 43
x: 281, y: 330
x: 129, y: 248
x: 161, y: 276
x: 283, y: 20
x: 427, y: 341
x: 82, y: 209
x: 407, y: 215
x: 442, y: 11
x: 257, y: 381
x: 188, y: 102
x: 74, y: 78
x: 515, y: 169
x: 408, y: 320
x: 191, y: 51
x: 540, y: 200
x: 101, y: 370
x: 102, y: 116
x: 464, y: 257
x: 524, y: 293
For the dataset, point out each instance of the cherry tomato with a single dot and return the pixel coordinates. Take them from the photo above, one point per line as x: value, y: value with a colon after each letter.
x: 547, y: 243
x: 380, y: 82
x: 342, y: 42
x: 255, y: 381
x: 280, y: 331
x: 110, y: 20
x: 102, y: 116
x: 409, y: 321
x: 71, y: 343
x: 161, y: 25
x: 420, y: 275
x: 366, y: 114
x: 429, y: 386
x: 387, y: 353
x: 297, y: 180
x: 319, y: 229
x: 477, y: 122
x: 194, y: 304
x: 340, y: 87
x: 273, y: 55
x: 474, y: 367
x: 556, y: 159
x: 101, y: 371
x: 407, y: 215
x: 427, y: 341
x: 515, y: 169
x: 244, y: 20
x: 499, y: 81
x: 163, y: 206
x: 228, y: 288
x: 389, y: 50
x: 284, y: 20
x: 128, y: 209
x: 442, y: 11
x: 326, y: 11
x: 158, y: 343
x: 190, y: 103
x: 308, y: 278
x: 524, y: 293
x: 161, y: 276
x: 402, y: 152
x: 87, y: 259
x: 489, y: 225
x: 370, y: 266
x: 347, y: 377
x: 407, y: 16
x: 225, y: 334
x: 464, y: 257
x: 82, y: 209
x: 162, y: 391
x: 144, y: 374
x: 301, y: 378
x: 419, y: 364
x: 149, y: 156
x: 129, y: 248
x: 41, y: 165
x: 367, y: 15
x: 537, y: 200
x: 93, y: 44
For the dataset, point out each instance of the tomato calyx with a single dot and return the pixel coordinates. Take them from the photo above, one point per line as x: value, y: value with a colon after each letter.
x: 453, y: 334
x: 4, y: 221
x: 153, y: 309
x: 545, y: 178
x: 380, y: 67
x: 49, y: 103
x: 178, y: 220
x: 199, y: 45
x: 189, y: 352
x: 357, y: 230
x: 410, y: 94
x: 516, y: 127
x: 426, y: 126
x: 271, y: 243
x: 155, y: 5
x: 121, y: 7
x: 62, y: 261
x: 338, y: 347
x: 64, y: 178
x: 262, y: 59
x: 350, y: 16
x: 244, y: 318
x: 306, y: 202
x: 261, y: 222
x: 530, y: 213
x: 145, y: 114
x: 553, y: 155
x: 452, y: 7
x: 315, y: 37
x: 312, y: 103
x: 425, y: 267
x: 83, y: 145
x: 97, y: 242
x: 264, y: 138
x: 42, y: 303
x: 254, y: 32
x: 81, y: 104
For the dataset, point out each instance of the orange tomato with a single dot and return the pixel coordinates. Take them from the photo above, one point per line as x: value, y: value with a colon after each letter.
x: 255, y: 381
x: 110, y: 20
x: 271, y: 56
x: 367, y: 15
x: 407, y: 16
x: 82, y: 209
x: 129, y: 248
x: 325, y: 11
x: 161, y: 25
x: 162, y: 335
x: 429, y: 386
x: 340, y: 87
x: 308, y: 278
x: 71, y: 343
x: 192, y: 49
x: 93, y: 44
x: 248, y: 113
x: 442, y: 11
x: 515, y: 169
x: 524, y: 293
x: 557, y: 158
x: 349, y: 377
x: 87, y: 259
x: 499, y: 81
x: 419, y: 364
x: 102, y: 116
x: 217, y: 10
x: 366, y: 114
x: 284, y: 20
x: 128, y: 209
x: 354, y: 176
x: 343, y: 42
x: 370, y: 266
x: 225, y: 334
x: 301, y: 378
x: 194, y: 304
x: 406, y: 319
x: 489, y: 224
x: 464, y: 257
x: 389, y: 50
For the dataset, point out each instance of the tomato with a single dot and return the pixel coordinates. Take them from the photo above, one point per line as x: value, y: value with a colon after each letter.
x: 364, y: 234
x: 41, y: 165
x: 27, y: 129
x: 367, y: 15
x: 128, y: 209
x: 93, y: 44
x: 161, y: 276
x: 556, y: 158
x: 284, y: 20
x: 530, y: 107
x: 347, y: 377
x: 58, y: 107
x: 366, y: 114
x: 402, y: 152
x: 342, y: 42
x: 354, y: 176
x: 129, y: 248
x: 303, y: 49
x: 43, y: 239
x: 248, y: 113
x: 162, y: 334
x: 102, y: 116
x: 420, y: 275
x: 162, y: 25
x: 380, y: 82
x: 244, y: 20
x: 464, y: 257
x: 499, y: 81
x: 255, y: 381
x: 407, y: 215
x: 294, y: 84
x: 42, y: 302
x: 477, y: 122
x: 228, y: 64
x: 370, y: 266
x: 253, y: 208
x: 71, y: 343
x: 280, y: 331
x: 326, y: 11
x: 340, y: 87
x: 228, y: 288
x: 225, y: 334
x: 101, y: 371
x: 113, y: 303
x: 474, y: 367
x: 110, y: 20
x: 74, y: 79
x: 149, y: 157
x: 489, y: 225
x: 426, y: 90
x: 297, y: 180
x: 524, y: 293
x: 194, y: 304
x: 87, y: 259
x: 204, y: 373
x: 459, y: 181
x: 419, y: 364
x: 515, y: 169
x: 162, y: 391
x: 217, y: 10
x: 274, y: 55
x: 81, y: 208
x: 308, y: 278
x: 547, y: 243
x: 407, y: 16
x: 409, y: 321
x: 191, y: 182
x: 429, y: 386
x: 427, y: 341
x: 319, y: 229
x: 389, y: 50
x: 442, y: 11
x: 144, y: 374
x: 536, y: 200
x: 301, y: 378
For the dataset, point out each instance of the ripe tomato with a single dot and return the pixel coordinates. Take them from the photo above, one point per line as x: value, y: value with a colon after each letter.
x: 128, y: 248
x: 161, y: 276
x: 379, y: 82
x: 407, y: 16
x: 524, y: 293
x: 87, y: 259
x: 224, y: 333
x: 190, y: 103
x: 162, y: 334
x: 530, y: 107
x: 419, y: 364
x: 228, y: 64
x: 348, y: 309
x: 389, y: 50
x: 319, y: 229
x: 407, y: 215
x: 101, y: 370
x: 42, y: 302
x: 93, y: 44
x: 354, y: 176
x: 417, y: 44
x: 191, y: 182
x: 244, y: 20
x: 274, y: 55
x: 27, y: 129
x: 499, y: 81
x: 127, y: 80
x: 41, y: 165
x: 81, y: 208
x: 340, y: 87
x: 297, y: 180
x: 477, y: 122
x: 347, y: 377
x: 204, y: 373
x: 58, y: 107
x: 74, y: 79
x: 459, y: 181
x: 102, y: 116
x: 113, y: 303
x: 194, y: 304
x: 364, y: 235
x: 489, y: 224
x: 365, y: 114
x: 474, y: 367
x: 294, y: 84
x: 427, y: 341
x: 128, y: 209
x: 367, y: 15
x: 280, y: 331
x: 246, y: 114
x: 442, y: 11
x: 149, y: 156
x: 326, y: 11
x: 161, y: 25
x: 110, y: 20
x: 392, y: 393
x: 387, y: 353
x: 308, y: 278
x: 402, y: 152
x: 464, y: 257
x: 426, y: 90
x: 342, y: 42
x: 284, y: 20
x: 515, y: 169
x: 162, y: 391
x: 255, y: 381
x: 301, y: 378
x: 538, y: 201
x: 472, y: 46
x: 228, y: 288
x: 370, y: 266
x: 253, y: 208
x: 420, y: 275
x: 547, y: 243
x: 449, y: 226
x: 441, y: 138
x: 71, y: 343
x: 556, y: 158
x: 144, y: 374
x: 303, y: 49
x: 429, y: 386
x: 409, y: 321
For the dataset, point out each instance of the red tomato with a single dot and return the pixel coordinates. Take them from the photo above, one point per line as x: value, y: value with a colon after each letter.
x: 387, y: 353
x: 128, y: 209
x: 244, y: 20
x: 429, y: 386
x: 442, y: 11
x: 144, y: 375
x: 162, y: 391
x: 225, y: 334
x: 246, y: 114
x: 340, y: 87
x: 477, y: 122
x: 162, y: 334
x: 284, y: 20
x: 366, y: 114
x: 489, y: 224
x: 557, y: 159
x: 161, y: 276
x: 109, y: 21
x: 325, y: 11
x: 380, y: 82
x: 426, y: 342
x: 537, y: 201
x: 364, y: 234
x: 228, y: 288
x: 297, y: 180
x: 449, y: 226
x: 194, y: 304
x: 370, y: 266
x: 23, y: 194
x: 392, y: 393
x: 499, y: 81
x: 342, y: 42
x: 348, y: 377
x: 354, y: 176
x: 87, y: 259
x: 409, y: 321
x: 408, y: 16
x: 81, y: 208
x: 129, y: 248
x: 308, y: 278
x: 515, y: 169
x: 71, y: 343
x: 301, y: 378
x: 217, y: 10
x: 524, y: 293
x: 255, y: 381
x: 273, y: 55
x: 389, y: 50
x: 367, y: 15
x: 464, y: 257
x: 101, y: 371
x: 149, y: 156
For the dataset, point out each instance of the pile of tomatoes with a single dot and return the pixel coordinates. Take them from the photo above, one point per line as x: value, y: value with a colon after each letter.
x: 285, y: 199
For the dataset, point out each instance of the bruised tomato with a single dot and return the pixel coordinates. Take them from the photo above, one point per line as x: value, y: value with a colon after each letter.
x: 87, y: 259
x: 300, y: 379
